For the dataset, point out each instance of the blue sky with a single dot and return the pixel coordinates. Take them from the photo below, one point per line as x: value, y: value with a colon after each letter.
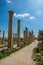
x: 30, y: 12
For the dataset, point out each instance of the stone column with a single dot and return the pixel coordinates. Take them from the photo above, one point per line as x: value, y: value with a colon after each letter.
x: 18, y: 34
x: 14, y: 37
x: 24, y: 37
x: 0, y: 32
x: 26, y: 29
x: 10, y: 45
x: 32, y: 36
x: 3, y: 37
x: 0, y: 35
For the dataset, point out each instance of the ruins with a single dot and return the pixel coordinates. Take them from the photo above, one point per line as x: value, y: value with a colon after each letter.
x: 39, y: 35
x: 16, y: 39
x: 40, y: 45
x: 31, y: 36
x: 26, y: 35
x: 18, y: 34
x: 10, y: 45
x: 3, y: 37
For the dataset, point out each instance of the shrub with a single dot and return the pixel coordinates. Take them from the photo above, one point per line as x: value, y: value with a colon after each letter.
x: 38, y: 63
x: 36, y: 50
x: 41, y: 53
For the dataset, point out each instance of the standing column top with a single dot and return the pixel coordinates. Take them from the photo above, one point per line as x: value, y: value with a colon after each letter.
x: 11, y: 13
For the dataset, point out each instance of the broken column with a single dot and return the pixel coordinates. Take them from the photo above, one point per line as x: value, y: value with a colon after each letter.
x: 10, y: 45
x: 25, y: 35
x: 26, y: 29
x: 18, y: 34
x: 31, y: 36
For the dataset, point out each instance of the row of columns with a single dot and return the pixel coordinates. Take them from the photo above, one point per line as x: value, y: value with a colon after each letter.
x: 10, y: 45
x: 10, y: 42
x: 28, y: 36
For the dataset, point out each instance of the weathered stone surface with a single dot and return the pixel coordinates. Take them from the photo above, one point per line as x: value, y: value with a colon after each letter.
x: 26, y: 35
x: 31, y: 36
x: 10, y: 45
x: 18, y: 34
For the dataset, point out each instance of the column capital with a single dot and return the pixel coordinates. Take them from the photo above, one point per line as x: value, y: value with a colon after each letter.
x: 11, y: 12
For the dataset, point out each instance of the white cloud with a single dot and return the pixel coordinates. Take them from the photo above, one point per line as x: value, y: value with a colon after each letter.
x: 32, y: 17
x: 15, y: 14
x: 8, y: 1
x: 22, y: 15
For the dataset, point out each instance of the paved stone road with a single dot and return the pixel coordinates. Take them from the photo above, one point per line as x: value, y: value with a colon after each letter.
x: 22, y: 57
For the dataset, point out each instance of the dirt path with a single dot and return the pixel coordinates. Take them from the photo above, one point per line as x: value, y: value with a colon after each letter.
x: 22, y: 57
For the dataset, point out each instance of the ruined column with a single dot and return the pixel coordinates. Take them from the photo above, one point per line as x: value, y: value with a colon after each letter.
x: 14, y: 37
x: 24, y: 37
x: 32, y: 36
x: 10, y: 45
x: 18, y: 33
x: 26, y: 29
x: 0, y: 35
x: 0, y: 32
x: 3, y: 37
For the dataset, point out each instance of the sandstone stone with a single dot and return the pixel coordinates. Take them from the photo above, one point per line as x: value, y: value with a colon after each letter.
x: 10, y: 44
x: 18, y: 34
